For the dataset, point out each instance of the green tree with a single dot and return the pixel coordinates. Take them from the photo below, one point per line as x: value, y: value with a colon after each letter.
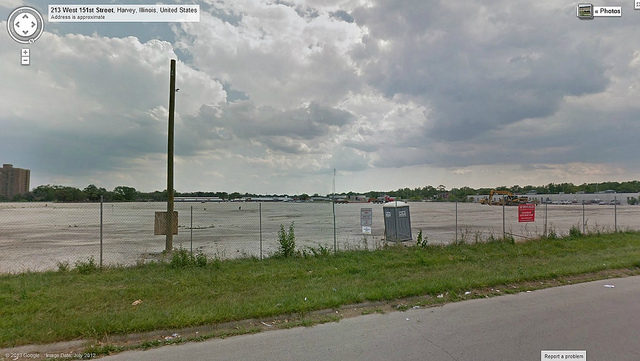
x: 124, y: 193
x: 235, y: 195
x: 94, y: 193
x: 44, y: 193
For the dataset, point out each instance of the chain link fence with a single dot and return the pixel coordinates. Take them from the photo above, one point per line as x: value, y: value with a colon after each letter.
x: 41, y: 236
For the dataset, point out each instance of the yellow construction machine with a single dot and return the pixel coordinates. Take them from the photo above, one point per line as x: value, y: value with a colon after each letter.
x: 508, y: 199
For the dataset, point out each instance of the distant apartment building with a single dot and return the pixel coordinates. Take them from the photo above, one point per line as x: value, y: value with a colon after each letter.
x: 13, y: 181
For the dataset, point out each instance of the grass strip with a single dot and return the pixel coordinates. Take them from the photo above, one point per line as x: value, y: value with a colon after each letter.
x: 57, y: 306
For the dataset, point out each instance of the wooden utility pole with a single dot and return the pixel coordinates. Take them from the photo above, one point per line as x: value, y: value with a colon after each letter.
x: 172, y: 104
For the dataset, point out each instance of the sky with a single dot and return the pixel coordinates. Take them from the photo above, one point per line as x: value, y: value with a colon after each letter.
x: 276, y: 94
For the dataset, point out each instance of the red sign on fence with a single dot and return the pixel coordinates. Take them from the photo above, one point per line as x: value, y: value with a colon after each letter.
x: 526, y: 213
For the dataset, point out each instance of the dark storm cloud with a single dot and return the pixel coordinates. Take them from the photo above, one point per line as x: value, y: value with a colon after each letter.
x: 243, y: 120
x: 608, y: 137
x: 76, y: 151
x: 478, y: 73
x: 95, y: 105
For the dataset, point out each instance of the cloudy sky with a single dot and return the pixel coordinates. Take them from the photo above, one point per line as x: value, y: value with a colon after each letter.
x: 275, y: 94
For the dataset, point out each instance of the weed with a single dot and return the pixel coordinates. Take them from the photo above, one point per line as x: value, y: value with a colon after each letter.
x: 464, y: 235
x: 287, y: 241
x: 182, y: 258
x: 574, y: 232
x: 509, y: 238
x: 200, y: 259
x: 421, y: 242
x: 321, y: 251
x: 86, y: 267
x: 63, y: 266
x: 477, y: 237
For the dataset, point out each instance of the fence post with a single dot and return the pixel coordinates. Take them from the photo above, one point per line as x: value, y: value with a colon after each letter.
x: 191, y: 229
x: 456, y: 221
x: 333, y: 206
x: 583, y: 224
x: 335, y: 239
x: 545, y: 219
x: 615, y: 214
x: 260, y: 212
x: 504, y: 234
x: 101, y: 212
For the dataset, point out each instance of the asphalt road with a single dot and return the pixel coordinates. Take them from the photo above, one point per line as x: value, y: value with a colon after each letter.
x: 603, y: 321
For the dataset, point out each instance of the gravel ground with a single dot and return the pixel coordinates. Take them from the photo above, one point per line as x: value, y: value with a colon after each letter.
x: 36, y: 236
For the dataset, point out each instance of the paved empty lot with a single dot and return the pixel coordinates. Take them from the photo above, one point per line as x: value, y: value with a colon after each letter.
x: 588, y: 316
x: 37, y: 236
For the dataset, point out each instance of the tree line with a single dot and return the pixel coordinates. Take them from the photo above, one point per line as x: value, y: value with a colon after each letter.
x: 462, y: 194
x: 92, y: 193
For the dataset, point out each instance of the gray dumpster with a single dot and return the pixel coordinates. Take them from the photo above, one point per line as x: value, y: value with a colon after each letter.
x: 397, y: 222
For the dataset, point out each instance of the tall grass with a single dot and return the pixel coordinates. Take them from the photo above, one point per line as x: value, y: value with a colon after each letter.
x: 54, y: 306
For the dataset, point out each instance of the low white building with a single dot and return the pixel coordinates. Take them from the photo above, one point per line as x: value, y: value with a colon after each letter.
x: 573, y: 198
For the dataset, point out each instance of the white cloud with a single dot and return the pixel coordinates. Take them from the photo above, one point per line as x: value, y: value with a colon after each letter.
x: 275, y: 55
x: 90, y: 102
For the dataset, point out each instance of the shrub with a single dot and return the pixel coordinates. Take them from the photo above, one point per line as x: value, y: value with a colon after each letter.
x: 574, y: 232
x: 200, y: 259
x: 321, y: 251
x: 181, y: 258
x: 287, y: 241
x: 86, y: 267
